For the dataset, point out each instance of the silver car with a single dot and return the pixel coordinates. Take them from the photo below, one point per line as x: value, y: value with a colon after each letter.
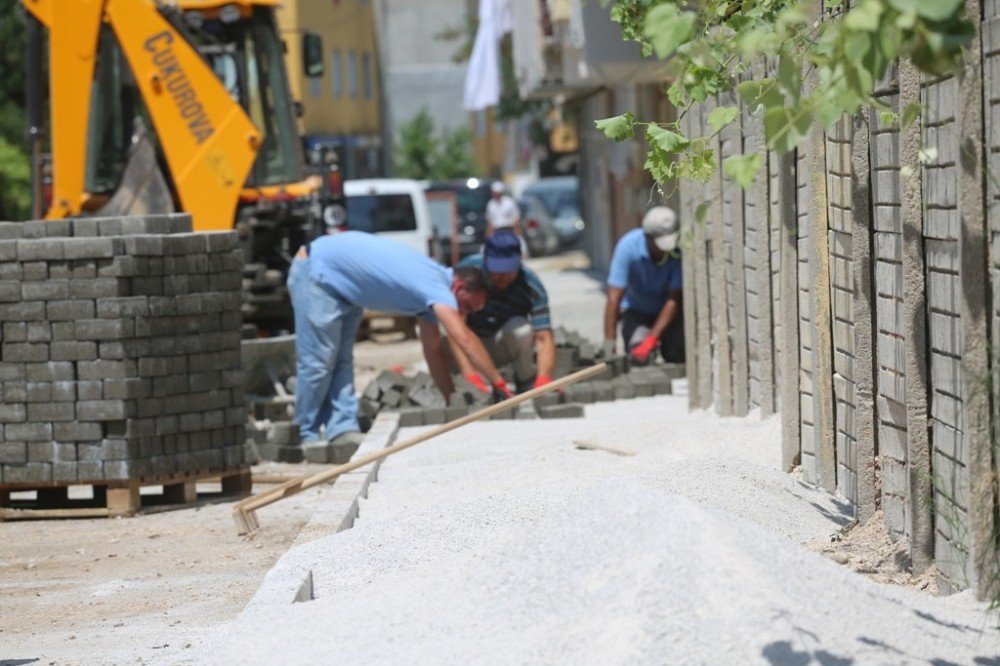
x: 561, y: 197
x: 538, y: 227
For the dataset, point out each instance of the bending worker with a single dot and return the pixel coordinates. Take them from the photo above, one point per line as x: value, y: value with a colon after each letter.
x: 645, y: 290
x: 515, y: 324
x: 330, y: 281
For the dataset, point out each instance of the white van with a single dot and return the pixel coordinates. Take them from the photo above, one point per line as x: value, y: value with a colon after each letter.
x: 395, y: 208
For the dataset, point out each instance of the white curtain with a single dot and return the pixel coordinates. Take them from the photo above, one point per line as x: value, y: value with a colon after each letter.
x: 482, y: 79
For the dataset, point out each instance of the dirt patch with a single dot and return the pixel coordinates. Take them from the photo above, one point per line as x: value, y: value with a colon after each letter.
x: 109, y: 591
x: 871, y: 550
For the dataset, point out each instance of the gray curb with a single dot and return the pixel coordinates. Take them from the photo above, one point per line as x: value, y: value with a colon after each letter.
x: 290, y: 580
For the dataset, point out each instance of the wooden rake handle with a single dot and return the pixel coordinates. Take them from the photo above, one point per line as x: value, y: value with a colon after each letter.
x: 297, y: 485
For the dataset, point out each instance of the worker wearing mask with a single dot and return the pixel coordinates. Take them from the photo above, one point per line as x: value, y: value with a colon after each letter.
x: 645, y: 291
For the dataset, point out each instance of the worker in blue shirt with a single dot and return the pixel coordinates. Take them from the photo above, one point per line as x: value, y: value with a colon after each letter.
x: 515, y: 325
x: 645, y: 290
x: 330, y: 282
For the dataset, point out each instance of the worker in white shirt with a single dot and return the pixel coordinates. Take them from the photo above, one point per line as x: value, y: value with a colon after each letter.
x: 502, y: 211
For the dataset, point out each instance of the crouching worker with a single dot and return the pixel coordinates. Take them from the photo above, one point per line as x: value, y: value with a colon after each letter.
x: 330, y: 282
x: 515, y: 325
x: 645, y: 290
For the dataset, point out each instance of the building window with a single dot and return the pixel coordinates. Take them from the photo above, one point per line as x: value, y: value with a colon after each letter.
x: 312, y: 55
x: 338, y: 74
x: 352, y: 73
x: 366, y: 74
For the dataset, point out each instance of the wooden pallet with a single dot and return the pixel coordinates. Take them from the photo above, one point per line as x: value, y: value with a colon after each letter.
x: 380, y: 323
x: 123, y: 498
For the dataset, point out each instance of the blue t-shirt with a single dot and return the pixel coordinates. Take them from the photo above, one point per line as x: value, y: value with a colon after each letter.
x: 525, y: 297
x: 380, y: 274
x: 646, y: 285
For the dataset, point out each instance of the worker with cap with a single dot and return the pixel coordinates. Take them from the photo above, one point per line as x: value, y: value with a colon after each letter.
x: 331, y: 280
x: 645, y: 291
x: 502, y: 211
x: 515, y: 325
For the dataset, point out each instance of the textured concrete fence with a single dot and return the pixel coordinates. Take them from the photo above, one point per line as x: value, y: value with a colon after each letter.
x: 856, y: 290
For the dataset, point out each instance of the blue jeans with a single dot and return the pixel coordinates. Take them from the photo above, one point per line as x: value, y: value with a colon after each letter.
x: 325, y: 328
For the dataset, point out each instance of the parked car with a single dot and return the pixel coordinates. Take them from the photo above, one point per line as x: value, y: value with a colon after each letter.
x: 561, y: 198
x: 537, y: 227
x: 395, y: 208
x: 471, y: 195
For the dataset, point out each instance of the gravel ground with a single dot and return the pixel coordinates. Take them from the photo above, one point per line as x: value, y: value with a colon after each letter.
x: 502, y: 542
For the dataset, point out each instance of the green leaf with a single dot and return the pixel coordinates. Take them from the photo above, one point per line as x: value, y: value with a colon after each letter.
x: 665, y: 140
x: 760, y: 93
x: 932, y: 10
x: 790, y: 76
x: 785, y: 127
x: 743, y: 168
x: 721, y: 116
x: 618, y: 128
x: 667, y: 28
x: 910, y: 113
x: 888, y: 118
x: 865, y: 16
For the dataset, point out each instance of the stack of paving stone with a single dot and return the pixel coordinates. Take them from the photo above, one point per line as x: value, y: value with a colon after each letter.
x: 120, y: 354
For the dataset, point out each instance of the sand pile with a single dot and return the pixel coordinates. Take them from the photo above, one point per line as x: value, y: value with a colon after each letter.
x: 505, y: 544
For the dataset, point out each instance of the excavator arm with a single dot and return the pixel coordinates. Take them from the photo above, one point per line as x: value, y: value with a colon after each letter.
x: 208, y: 141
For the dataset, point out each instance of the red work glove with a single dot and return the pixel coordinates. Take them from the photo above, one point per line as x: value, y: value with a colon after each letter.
x: 542, y: 380
x: 642, y: 350
x: 477, y: 381
x: 500, y: 391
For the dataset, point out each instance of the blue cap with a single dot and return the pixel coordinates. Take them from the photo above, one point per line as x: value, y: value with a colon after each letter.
x: 502, y: 252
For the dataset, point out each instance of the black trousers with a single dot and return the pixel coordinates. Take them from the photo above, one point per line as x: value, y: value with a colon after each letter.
x: 637, y: 325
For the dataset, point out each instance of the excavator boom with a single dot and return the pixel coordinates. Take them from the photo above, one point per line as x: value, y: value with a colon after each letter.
x: 207, y: 140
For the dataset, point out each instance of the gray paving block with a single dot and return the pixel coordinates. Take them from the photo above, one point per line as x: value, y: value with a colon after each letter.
x: 51, y: 411
x: 53, y: 371
x: 25, y: 352
x: 89, y: 470
x: 73, y: 351
x: 10, y: 291
x: 34, y: 271
x: 101, y: 410
x: 64, y: 472
x: 13, y: 413
x: 13, y: 452
x: 28, y: 432
x: 434, y: 415
x: 564, y: 411
x: 75, y: 431
x: 411, y: 416
x: 39, y: 250
x: 91, y: 248
x: 69, y: 310
x: 455, y: 412
x: 39, y: 451
x: 15, y: 391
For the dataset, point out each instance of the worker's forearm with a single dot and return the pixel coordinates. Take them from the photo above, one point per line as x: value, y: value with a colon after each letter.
x: 545, y: 351
x: 665, y: 318
x: 430, y: 339
x: 461, y: 360
x: 438, y: 366
x: 478, y: 356
x: 610, y: 319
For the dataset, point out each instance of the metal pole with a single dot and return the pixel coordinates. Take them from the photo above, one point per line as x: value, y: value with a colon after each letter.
x: 33, y: 103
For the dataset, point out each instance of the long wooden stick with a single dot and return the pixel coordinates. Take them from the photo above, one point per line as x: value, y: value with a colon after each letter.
x: 243, y: 511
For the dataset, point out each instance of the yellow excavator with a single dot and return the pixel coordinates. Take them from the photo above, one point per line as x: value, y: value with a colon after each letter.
x: 176, y: 106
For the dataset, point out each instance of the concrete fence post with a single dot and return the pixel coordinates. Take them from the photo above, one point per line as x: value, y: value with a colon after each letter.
x: 975, y: 334
x: 920, y: 519
x: 864, y: 308
x: 788, y: 282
